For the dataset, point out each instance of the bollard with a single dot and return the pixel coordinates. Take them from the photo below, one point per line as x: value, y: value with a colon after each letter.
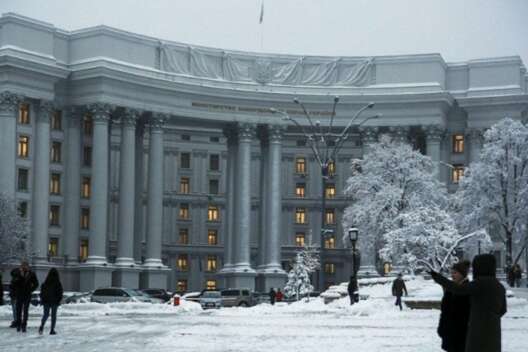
x: 176, y: 300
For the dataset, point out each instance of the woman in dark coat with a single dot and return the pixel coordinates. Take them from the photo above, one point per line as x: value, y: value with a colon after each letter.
x: 454, y: 316
x: 50, y: 297
x: 353, y: 290
x: 488, y: 304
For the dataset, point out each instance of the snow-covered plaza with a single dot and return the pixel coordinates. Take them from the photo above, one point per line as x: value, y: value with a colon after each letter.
x: 372, y: 325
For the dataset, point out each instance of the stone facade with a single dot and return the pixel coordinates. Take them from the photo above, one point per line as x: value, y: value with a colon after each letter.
x: 137, y: 175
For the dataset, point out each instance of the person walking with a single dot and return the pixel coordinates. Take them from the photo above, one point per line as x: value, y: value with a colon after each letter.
x: 454, y: 312
x: 487, y: 304
x: 24, y: 284
x: 517, y: 275
x: 353, y: 290
x: 12, y: 295
x: 50, y: 297
x: 272, y: 295
x: 398, y: 287
x: 279, y: 295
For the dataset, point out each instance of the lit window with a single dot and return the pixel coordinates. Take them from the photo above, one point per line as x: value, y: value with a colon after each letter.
x: 299, y: 190
x: 211, y: 263
x: 330, y: 268
x: 185, y: 160
x: 22, y: 209
x: 214, y: 162
x: 56, y: 148
x: 87, y: 156
x: 85, y: 218
x: 185, y: 185
x: 212, y: 213
x: 183, y: 236
x: 181, y: 286
x: 213, y: 187
x: 330, y: 216
x: 330, y: 242
x: 330, y: 191
x: 299, y: 239
x: 85, y: 187
x: 56, y: 120
x: 55, y: 183
x: 23, y: 146
x: 458, y: 143
x: 182, y: 263
x: 300, y: 165
x: 53, y: 247
x: 211, y: 285
x: 212, y: 237
x: 331, y: 168
x: 83, y: 250
x: 23, y: 114
x: 458, y: 173
x: 54, y: 215
x: 23, y: 179
x: 184, y: 211
x: 88, y: 125
x: 300, y: 216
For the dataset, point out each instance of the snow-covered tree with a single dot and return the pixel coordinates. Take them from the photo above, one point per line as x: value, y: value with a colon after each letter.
x: 298, y: 283
x: 494, y: 190
x: 14, y: 232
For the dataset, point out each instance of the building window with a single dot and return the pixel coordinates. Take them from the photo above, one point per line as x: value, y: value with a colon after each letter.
x: 185, y: 185
x: 181, y: 286
x: 330, y: 216
x: 214, y: 139
x: 87, y: 156
x: 300, y: 216
x: 186, y: 137
x: 184, y: 211
x: 458, y: 143
x: 299, y: 239
x: 185, y: 160
x: 211, y: 262
x: 55, y: 183
x: 23, y: 209
x: 214, y: 162
x: 330, y: 268
x: 331, y: 168
x: 211, y: 285
x: 23, y: 114
x: 183, y: 236
x: 300, y: 165
x: 53, y: 247
x: 212, y: 237
x: 85, y: 218
x: 86, y: 190
x: 330, y: 242
x: 54, y: 215
x: 56, y: 148
x: 88, y: 125
x: 330, y: 191
x: 83, y: 250
x: 23, y: 176
x: 458, y: 173
x: 299, y: 190
x: 213, y: 213
x: 213, y: 187
x: 182, y: 263
x: 56, y: 120
x: 300, y: 142
x: 23, y: 146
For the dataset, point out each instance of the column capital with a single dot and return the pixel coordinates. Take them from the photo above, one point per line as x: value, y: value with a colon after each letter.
x: 9, y: 101
x: 158, y: 121
x: 130, y: 117
x: 246, y: 131
x: 230, y: 133
x: 434, y: 132
x: 369, y: 134
x: 276, y: 133
x: 46, y: 109
x: 100, y: 111
x: 399, y: 133
x: 475, y: 133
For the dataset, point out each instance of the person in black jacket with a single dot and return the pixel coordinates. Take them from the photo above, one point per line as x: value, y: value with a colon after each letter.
x: 488, y: 304
x: 50, y: 297
x: 272, y: 295
x: 14, y: 274
x: 454, y: 315
x: 24, y: 284
x: 353, y: 290
x: 398, y: 287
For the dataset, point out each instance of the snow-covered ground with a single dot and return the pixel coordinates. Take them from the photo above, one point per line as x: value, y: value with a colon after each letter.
x: 372, y: 325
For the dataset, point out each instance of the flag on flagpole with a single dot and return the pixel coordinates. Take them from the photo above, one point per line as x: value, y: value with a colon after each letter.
x: 261, y: 18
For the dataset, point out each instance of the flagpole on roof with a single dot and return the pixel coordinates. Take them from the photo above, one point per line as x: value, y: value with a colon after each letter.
x: 261, y: 25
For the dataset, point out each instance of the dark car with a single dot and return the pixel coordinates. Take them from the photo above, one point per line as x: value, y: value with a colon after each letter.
x: 235, y: 297
x: 158, y: 293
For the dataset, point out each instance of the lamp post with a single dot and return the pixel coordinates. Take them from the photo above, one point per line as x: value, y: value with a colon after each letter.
x: 353, y: 234
x: 325, y: 145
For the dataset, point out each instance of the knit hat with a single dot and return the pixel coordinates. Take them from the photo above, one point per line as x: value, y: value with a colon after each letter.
x: 462, y: 267
x: 484, y: 265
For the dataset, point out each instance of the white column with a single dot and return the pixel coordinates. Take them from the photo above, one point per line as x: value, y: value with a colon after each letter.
x: 433, y: 140
x: 99, y: 198
x: 41, y: 184
x: 476, y: 137
x: 72, y: 194
x: 139, y: 219
x: 127, y: 170
x: 9, y: 104
x: 230, y: 198
x: 264, y: 201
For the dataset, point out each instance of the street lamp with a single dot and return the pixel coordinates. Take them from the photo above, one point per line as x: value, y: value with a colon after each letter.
x: 325, y: 146
x: 353, y: 234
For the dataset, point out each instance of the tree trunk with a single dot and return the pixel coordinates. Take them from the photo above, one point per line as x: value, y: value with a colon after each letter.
x: 509, y: 249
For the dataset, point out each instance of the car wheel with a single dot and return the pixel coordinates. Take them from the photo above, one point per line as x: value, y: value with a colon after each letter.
x: 243, y: 304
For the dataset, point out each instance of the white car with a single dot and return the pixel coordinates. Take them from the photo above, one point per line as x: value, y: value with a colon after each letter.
x: 211, y: 299
x: 118, y: 294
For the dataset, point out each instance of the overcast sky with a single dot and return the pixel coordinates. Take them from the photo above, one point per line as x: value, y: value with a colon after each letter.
x: 457, y: 29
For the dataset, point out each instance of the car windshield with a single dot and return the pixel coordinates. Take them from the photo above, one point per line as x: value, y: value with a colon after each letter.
x: 211, y: 294
x: 135, y: 293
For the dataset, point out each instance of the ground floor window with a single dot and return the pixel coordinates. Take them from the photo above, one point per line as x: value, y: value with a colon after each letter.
x: 211, y: 284
x: 181, y: 286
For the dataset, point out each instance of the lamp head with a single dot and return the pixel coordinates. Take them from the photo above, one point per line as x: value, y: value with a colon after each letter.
x: 353, y: 233
x: 336, y: 99
x: 370, y: 105
x: 273, y: 110
x: 296, y: 100
x: 317, y: 123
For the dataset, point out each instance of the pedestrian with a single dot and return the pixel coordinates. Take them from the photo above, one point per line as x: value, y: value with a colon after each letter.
x: 1, y: 291
x: 398, y: 287
x: 25, y: 284
x: 353, y: 290
x: 454, y: 312
x: 510, y: 276
x: 50, y: 297
x: 272, y: 295
x: 517, y: 275
x: 12, y: 295
x: 487, y: 304
x: 279, y: 295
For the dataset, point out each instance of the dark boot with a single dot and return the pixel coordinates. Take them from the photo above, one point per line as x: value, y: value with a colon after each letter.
x: 41, y: 329
x: 52, y: 332
x: 13, y: 324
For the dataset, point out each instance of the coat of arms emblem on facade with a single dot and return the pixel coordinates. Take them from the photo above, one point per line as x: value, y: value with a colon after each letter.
x: 262, y: 71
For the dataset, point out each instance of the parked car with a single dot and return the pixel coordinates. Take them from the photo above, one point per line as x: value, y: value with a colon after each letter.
x: 211, y: 299
x: 146, y: 295
x: 192, y: 296
x: 118, y: 294
x: 235, y: 297
x: 83, y: 297
x: 260, y: 297
x: 158, y: 293
x: 35, y: 298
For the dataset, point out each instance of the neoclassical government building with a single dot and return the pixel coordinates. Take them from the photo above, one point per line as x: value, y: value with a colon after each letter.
x: 142, y: 162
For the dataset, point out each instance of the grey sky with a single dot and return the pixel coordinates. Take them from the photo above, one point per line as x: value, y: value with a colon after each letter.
x: 457, y: 29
